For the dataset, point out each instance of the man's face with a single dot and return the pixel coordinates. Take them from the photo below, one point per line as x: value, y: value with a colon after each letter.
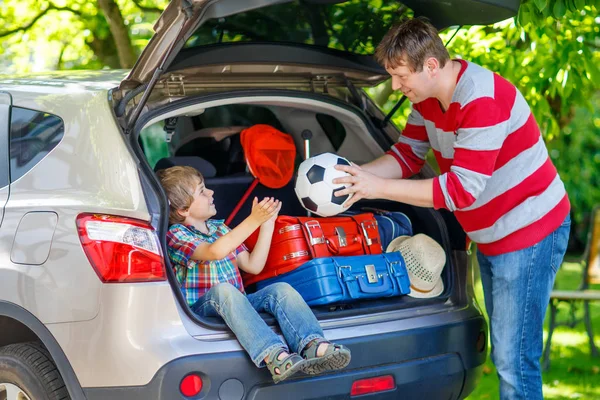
x: 416, y: 86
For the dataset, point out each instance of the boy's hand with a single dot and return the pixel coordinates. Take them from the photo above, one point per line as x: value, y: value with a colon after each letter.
x: 265, y: 210
x: 271, y: 221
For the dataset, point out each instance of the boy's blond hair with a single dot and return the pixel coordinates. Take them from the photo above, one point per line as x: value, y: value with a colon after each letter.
x: 180, y: 184
x: 410, y: 43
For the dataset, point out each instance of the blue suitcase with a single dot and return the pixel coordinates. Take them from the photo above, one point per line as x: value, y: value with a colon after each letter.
x: 331, y: 280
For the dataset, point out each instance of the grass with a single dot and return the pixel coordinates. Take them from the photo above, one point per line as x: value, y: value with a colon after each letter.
x: 573, y: 373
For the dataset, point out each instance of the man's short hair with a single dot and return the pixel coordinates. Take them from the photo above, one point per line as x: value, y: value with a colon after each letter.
x: 411, y: 43
x: 180, y: 183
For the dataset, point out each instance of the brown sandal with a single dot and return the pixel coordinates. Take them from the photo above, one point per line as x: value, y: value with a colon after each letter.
x: 335, y: 357
x: 286, y: 367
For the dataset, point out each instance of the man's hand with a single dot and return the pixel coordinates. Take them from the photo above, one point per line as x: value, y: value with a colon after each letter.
x: 364, y: 184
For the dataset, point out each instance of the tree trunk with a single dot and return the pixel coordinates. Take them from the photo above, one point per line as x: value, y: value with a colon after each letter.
x: 119, y: 31
x: 105, y: 50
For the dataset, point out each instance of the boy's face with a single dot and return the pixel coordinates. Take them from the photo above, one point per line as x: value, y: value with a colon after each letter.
x: 202, y: 207
x: 416, y: 86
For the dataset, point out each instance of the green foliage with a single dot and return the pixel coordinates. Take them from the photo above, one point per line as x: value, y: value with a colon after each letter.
x: 355, y: 26
x: 66, y: 34
x: 576, y: 154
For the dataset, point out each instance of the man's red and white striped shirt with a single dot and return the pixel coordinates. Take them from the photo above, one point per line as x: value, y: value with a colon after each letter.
x: 496, y: 175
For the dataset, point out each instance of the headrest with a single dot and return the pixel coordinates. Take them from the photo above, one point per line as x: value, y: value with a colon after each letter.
x: 203, y: 166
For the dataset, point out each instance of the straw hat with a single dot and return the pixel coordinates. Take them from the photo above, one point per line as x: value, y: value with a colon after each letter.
x: 425, y: 260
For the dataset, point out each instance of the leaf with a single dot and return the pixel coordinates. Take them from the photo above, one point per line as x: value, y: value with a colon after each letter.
x: 524, y: 15
x: 572, y: 6
x: 591, y: 68
x: 541, y: 4
x: 580, y: 4
x: 559, y: 9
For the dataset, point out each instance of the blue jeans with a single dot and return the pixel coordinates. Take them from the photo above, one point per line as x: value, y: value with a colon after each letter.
x: 240, y: 312
x: 517, y: 288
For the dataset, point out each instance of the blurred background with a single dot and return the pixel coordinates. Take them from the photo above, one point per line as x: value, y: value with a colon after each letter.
x: 550, y: 51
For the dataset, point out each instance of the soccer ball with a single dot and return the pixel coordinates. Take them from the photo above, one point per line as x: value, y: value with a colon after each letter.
x: 314, y: 186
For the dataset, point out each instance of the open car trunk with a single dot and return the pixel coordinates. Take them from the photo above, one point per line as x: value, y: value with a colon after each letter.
x: 205, y: 131
x: 215, y: 67
x: 341, y: 33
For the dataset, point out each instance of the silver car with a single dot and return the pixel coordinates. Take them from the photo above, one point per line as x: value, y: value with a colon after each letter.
x: 89, y: 304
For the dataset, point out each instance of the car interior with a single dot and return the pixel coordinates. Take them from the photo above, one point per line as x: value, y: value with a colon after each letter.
x: 208, y: 139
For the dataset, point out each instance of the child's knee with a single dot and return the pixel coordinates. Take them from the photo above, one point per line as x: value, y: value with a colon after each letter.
x: 282, y: 289
x: 223, y: 292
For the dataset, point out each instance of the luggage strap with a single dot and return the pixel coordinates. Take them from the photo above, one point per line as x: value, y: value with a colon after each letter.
x: 316, y: 238
x: 370, y: 232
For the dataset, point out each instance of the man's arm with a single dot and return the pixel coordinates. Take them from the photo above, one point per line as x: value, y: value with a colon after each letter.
x: 365, y: 185
x: 385, y: 166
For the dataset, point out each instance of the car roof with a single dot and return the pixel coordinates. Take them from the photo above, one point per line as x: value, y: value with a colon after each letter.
x: 76, y: 81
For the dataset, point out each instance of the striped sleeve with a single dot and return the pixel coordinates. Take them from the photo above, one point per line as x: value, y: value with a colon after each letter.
x: 483, y: 129
x: 412, y: 146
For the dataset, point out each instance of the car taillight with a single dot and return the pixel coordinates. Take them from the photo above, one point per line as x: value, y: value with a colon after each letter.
x: 191, y: 385
x: 372, y: 385
x: 121, y: 249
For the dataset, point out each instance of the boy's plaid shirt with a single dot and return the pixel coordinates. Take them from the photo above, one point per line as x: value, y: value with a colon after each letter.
x: 182, y: 240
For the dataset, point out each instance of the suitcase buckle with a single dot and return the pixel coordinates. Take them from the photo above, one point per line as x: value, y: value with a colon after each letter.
x: 289, y: 228
x: 319, y: 237
x: 371, y: 273
x: 295, y: 254
x: 341, y: 270
x: 365, y: 226
x: 341, y: 236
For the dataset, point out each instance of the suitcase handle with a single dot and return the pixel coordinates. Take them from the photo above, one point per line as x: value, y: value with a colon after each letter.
x: 352, y: 246
x: 365, y: 287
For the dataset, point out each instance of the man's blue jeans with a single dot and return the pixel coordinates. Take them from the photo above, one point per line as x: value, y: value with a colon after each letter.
x: 517, y: 288
x: 240, y: 312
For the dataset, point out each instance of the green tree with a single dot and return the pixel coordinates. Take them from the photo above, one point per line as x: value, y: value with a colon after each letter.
x: 74, y: 34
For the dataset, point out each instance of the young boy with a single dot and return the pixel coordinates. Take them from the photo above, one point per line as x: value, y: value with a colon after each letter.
x: 206, y: 256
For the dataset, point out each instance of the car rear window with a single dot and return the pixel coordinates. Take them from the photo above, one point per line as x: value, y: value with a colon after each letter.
x: 333, y: 128
x: 33, y: 134
x: 354, y: 26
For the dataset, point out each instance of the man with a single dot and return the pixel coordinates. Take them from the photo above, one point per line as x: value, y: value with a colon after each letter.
x: 496, y: 177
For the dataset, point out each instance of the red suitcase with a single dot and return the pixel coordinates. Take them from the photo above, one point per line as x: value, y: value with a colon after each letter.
x: 297, y: 240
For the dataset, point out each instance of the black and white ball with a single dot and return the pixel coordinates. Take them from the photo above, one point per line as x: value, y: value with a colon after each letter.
x: 314, y: 186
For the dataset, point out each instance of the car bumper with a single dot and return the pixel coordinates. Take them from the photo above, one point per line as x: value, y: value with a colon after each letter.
x: 438, y: 362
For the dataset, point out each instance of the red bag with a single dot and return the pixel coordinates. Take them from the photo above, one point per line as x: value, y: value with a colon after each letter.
x: 297, y: 240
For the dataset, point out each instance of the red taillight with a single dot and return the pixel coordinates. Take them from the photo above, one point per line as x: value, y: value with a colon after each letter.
x: 121, y: 249
x: 373, y: 385
x: 191, y: 385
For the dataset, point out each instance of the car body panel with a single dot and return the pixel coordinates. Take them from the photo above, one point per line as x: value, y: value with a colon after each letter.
x: 145, y: 328
x: 447, y: 369
x: 139, y: 339
x: 5, y: 103
x: 66, y: 183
